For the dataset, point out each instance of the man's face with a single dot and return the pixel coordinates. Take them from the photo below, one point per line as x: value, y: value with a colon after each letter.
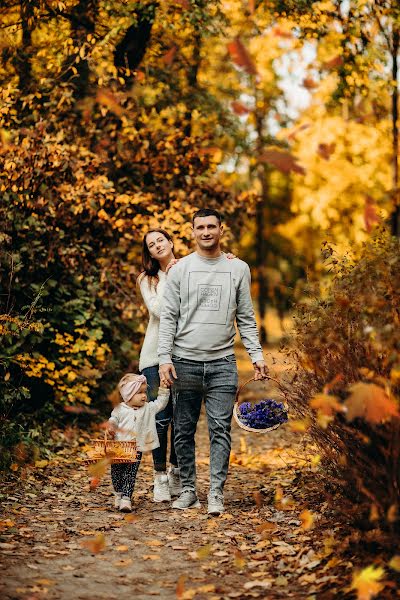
x: 207, y: 232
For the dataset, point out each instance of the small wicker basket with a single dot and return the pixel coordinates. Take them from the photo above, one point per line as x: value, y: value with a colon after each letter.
x: 238, y: 402
x: 117, y: 452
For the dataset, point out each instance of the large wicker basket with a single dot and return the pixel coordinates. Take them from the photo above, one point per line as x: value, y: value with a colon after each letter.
x: 117, y: 452
x: 239, y: 401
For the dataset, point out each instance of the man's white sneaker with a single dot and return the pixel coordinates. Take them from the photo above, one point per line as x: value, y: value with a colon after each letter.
x: 187, y: 499
x: 174, y: 481
x: 117, y: 499
x: 125, y: 504
x: 161, y: 491
x: 215, y: 504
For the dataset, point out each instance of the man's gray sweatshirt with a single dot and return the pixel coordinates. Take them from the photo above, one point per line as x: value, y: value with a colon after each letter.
x: 202, y: 299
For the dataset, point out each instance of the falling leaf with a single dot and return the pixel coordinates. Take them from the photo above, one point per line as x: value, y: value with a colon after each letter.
x: 371, y: 402
x: 169, y: 56
x: 252, y: 6
x: 241, y: 56
x: 239, y: 561
x: 307, y: 519
x: 374, y: 513
x: 337, y: 61
x: 281, y: 160
x: 326, y: 150
x: 299, y: 425
x: 309, y: 83
x: 258, y: 499
x: 180, y: 587
x: 96, y: 544
x: 367, y: 582
x: 204, y: 551
x: 239, y: 108
x: 98, y: 469
x: 371, y: 217
x: 392, y: 513
x: 326, y: 404
x: 395, y: 563
x: 107, y: 98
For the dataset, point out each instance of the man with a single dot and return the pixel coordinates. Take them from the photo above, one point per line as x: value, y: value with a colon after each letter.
x: 205, y: 294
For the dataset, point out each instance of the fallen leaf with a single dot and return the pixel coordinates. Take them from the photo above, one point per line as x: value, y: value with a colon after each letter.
x: 180, y: 587
x: 122, y: 548
x: 96, y: 544
x: 307, y: 519
x: 367, y: 582
x: 151, y: 557
x: 204, y: 551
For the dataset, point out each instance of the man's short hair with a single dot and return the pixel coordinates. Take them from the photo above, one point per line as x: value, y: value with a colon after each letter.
x: 207, y: 212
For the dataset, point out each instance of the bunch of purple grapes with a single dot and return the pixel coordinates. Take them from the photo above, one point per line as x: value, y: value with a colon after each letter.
x: 264, y: 414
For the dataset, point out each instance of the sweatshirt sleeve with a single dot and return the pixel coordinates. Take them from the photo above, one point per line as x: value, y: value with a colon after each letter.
x: 246, y: 320
x: 161, y: 401
x: 169, y: 316
x: 151, y: 297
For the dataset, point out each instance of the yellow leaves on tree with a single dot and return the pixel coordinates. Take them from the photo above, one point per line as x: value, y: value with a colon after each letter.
x: 367, y: 583
x: 371, y: 402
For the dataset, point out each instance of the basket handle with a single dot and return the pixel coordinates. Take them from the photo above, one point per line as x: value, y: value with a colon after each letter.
x: 241, y: 387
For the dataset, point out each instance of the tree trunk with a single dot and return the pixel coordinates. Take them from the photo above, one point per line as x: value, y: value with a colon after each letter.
x: 395, y: 218
x: 130, y: 51
x: 83, y: 23
x: 192, y: 82
x: 23, y: 57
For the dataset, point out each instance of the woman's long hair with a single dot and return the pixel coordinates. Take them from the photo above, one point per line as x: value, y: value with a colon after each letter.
x: 150, y: 265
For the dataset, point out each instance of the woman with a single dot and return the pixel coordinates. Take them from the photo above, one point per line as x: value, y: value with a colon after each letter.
x: 157, y: 253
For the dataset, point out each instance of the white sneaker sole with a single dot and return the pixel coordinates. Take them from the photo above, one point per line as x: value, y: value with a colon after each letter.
x: 194, y: 505
x: 215, y: 512
x: 162, y: 499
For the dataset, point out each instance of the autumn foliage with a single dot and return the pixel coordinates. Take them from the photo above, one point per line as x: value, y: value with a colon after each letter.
x: 347, y: 386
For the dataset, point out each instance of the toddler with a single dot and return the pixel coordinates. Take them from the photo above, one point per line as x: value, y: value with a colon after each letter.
x: 133, y: 419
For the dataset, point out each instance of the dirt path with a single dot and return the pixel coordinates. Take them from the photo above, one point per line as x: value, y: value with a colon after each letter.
x: 60, y: 540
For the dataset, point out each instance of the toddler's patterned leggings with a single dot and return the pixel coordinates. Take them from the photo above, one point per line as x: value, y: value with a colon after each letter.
x: 123, y: 476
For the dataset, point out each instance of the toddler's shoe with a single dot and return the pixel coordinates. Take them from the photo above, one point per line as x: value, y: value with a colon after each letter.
x: 187, y: 499
x: 215, y: 504
x: 161, y: 491
x: 117, y: 499
x: 125, y: 504
x: 174, y: 481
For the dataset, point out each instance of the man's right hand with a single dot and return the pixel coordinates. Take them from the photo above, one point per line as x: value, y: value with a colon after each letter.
x: 167, y: 374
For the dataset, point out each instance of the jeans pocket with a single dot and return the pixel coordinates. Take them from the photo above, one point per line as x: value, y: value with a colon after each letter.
x: 230, y: 359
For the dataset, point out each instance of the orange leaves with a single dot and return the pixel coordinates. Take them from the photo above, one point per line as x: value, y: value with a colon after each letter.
x: 326, y: 150
x: 108, y: 99
x: 326, y: 404
x: 367, y: 583
x: 241, y: 56
x: 96, y: 544
x: 169, y: 56
x: 281, y: 160
x: 371, y: 402
x: 307, y: 519
x: 371, y: 217
x: 239, y: 108
x: 309, y: 83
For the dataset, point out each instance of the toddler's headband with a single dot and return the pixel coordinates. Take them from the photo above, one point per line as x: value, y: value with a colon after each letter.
x: 130, y: 385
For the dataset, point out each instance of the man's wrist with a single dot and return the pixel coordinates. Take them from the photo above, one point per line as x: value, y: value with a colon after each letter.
x: 164, y: 359
x: 257, y: 357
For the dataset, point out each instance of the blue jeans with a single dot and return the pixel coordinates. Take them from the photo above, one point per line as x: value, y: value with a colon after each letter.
x: 163, y: 422
x: 216, y: 382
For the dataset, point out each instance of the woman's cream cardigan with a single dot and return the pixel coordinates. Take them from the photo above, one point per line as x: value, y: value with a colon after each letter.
x: 152, y: 297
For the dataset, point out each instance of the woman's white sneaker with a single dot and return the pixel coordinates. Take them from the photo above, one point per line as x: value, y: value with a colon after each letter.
x: 125, y: 505
x: 187, y: 499
x: 215, y: 504
x: 174, y: 481
x: 161, y: 491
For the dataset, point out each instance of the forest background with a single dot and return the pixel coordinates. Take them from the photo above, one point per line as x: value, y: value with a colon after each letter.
x: 121, y: 116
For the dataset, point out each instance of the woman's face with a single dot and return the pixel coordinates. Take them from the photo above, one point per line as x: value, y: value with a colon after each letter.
x: 159, y: 247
